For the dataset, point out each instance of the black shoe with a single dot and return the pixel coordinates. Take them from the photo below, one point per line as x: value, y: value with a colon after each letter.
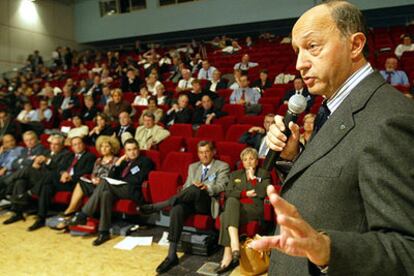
x: 167, y: 264
x: 235, y: 257
x: 78, y: 219
x: 39, y: 223
x: 146, y: 209
x: 232, y: 265
x: 102, y: 237
x: 16, y: 217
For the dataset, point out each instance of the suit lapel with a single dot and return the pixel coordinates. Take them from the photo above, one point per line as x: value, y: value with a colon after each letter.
x: 197, y: 173
x: 339, y: 124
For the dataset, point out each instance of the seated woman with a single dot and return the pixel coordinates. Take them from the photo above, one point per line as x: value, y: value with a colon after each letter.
x: 308, y: 123
x: 103, y: 127
x: 89, y: 110
x: 152, y: 108
x: 245, y: 194
x: 78, y: 129
x: 108, y: 148
x: 142, y: 98
x: 162, y: 98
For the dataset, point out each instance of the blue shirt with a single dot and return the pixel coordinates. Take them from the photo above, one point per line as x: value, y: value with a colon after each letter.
x: 206, y: 74
x: 251, y: 95
x: 397, y: 77
x: 7, y: 158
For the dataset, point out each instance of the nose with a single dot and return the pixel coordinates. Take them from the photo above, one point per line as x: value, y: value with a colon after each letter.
x: 302, y: 62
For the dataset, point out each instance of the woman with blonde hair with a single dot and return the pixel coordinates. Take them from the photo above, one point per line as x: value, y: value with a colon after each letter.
x: 108, y: 147
x: 245, y: 193
x: 308, y: 123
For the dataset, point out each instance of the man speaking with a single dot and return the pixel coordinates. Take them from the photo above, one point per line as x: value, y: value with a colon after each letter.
x: 347, y: 203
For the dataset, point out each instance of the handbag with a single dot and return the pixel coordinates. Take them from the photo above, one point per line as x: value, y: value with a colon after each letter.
x: 253, y: 262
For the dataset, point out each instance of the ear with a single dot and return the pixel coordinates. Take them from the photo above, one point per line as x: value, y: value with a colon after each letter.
x: 358, y: 41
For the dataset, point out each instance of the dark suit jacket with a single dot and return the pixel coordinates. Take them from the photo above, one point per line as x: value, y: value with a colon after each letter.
x: 88, y: 114
x: 354, y: 181
x: 220, y: 85
x: 129, y: 129
x: 82, y: 167
x: 181, y: 117
x: 258, y: 83
x: 200, y: 115
x: 305, y: 93
x: 238, y: 185
x: 252, y: 139
x: 67, y: 113
x: 135, y: 180
x: 130, y: 87
x: 25, y: 159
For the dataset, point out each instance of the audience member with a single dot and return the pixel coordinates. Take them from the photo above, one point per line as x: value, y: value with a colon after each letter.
x: 125, y: 125
x: 142, y: 98
x: 245, y: 64
x: 8, y: 125
x: 108, y: 147
x: 153, y: 109
x: 206, y: 71
x: 67, y: 103
x: 95, y: 89
x: 235, y: 82
x: 149, y: 134
x: 206, y: 112
x: 392, y: 75
x: 162, y: 98
x: 308, y: 123
x: 131, y: 82
x: 152, y: 83
x: 131, y: 168
x: 216, y: 82
x: 103, y: 127
x: 185, y: 84
x: 300, y: 89
x: 233, y: 48
x: 180, y: 112
x: 255, y: 136
x: 117, y: 105
x: 89, y: 109
x: 263, y: 82
x: 32, y: 178
x: 9, y: 151
x: 206, y: 179
x: 405, y: 46
x: 245, y: 195
x: 246, y: 96
x: 78, y: 130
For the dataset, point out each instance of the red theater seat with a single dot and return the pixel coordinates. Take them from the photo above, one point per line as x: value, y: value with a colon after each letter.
x: 163, y: 185
x: 200, y: 222
x: 234, y: 132
x: 210, y: 132
x: 236, y: 110
x: 154, y: 155
x: 171, y: 143
x: 232, y: 149
x: 177, y: 162
x: 185, y: 130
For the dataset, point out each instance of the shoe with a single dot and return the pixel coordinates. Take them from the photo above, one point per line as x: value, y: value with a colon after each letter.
x: 64, y: 224
x: 233, y: 264
x: 78, y: 219
x: 102, y: 237
x: 39, y: 223
x: 146, y: 209
x: 167, y: 264
x: 16, y: 217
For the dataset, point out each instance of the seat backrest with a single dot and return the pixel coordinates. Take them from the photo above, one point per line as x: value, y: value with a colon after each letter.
x: 185, y: 130
x: 234, y: 132
x: 212, y: 132
x: 171, y: 143
x: 163, y: 185
x: 154, y: 155
x: 232, y: 149
x: 234, y: 109
x: 177, y: 162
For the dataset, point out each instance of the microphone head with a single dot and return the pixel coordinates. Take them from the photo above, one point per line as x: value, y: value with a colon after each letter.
x: 297, y: 104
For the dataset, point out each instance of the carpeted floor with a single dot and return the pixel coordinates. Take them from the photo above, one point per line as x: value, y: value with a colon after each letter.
x: 49, y: 252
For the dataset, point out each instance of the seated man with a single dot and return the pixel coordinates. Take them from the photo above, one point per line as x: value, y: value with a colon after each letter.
x: 185, y: 83
x: 299, y: 88
x: 25, y: 159
x: 8, y: 153
x: 131, y: 168
x: 206, y: 179
x: 405, y: 46
x: 125, y: 125
x: 249, y: 97
x: 67, y: 103
x: 206, y: 112
x: 180, y: 112
x: 149, y: 134
x: 206, y: 71
x: 392, y: 75
x: 245, y: 64
x: 117, y: 105
x: 8, y: 125
x: 263, y: 82
x: 255, y: 136
x: 216, y: 83
x: 31, y: 178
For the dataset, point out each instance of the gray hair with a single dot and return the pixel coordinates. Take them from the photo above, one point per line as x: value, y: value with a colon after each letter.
x: 204, y: 143
x: 348, y: 19
x: 248, y: 151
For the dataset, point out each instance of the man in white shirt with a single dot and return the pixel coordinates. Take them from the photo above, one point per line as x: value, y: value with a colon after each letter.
x: 245, y: 63
x: 406, y: 46
x: 185, y: 83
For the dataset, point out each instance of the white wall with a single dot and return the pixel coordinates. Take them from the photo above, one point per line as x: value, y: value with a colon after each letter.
x: 26, y: 26
x: 90, y: 26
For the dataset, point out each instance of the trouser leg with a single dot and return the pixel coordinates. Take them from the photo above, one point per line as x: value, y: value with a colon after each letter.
x: 230, y: 217
x: 178, y: 215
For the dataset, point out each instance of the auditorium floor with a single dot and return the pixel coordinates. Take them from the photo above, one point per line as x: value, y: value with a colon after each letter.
x: 48, y: 252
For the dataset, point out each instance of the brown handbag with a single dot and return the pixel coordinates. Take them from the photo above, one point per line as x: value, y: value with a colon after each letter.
x: 253, y: 262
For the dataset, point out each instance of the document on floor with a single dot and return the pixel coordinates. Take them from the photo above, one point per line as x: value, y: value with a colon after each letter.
x: 115, y: 181
x: 130, y: 243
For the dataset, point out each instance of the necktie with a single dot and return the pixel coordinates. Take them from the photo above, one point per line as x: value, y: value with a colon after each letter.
x: 263, y: 149
x: 29, y: 152
x: 204, y: 174
x: 389, y: 74
x: 243, y: 96
x: 322, y: 117
x: 121, y: 130
x: 297, y: 92
x: 126, y: 170
x: 207, y: 74
x: 74, y: 161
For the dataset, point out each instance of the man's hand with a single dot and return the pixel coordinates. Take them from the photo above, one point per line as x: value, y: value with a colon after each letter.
x: 65, y: 177
x: 3, y: 171
x: 119, y: 161
x: 200, y: 185
x: 297, y: 237
x: 278, y: 141
x: 256, y: 129
x: 251, y: 193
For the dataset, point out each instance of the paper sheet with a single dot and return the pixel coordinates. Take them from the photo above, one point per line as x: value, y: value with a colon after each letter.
x: 130, y: 243
x: 114, y: 181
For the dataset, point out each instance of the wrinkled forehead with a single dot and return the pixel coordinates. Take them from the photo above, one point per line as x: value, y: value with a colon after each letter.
x: 316, y: 22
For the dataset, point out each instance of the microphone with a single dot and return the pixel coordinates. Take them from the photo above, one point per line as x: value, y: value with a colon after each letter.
x: 296, y: 105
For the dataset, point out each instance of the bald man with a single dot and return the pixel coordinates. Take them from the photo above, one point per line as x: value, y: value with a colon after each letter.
x: 346, y: 206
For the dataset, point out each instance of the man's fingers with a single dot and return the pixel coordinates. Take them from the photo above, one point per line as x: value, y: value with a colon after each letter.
x: 279, y: 122
x: 265, y: 243
x: 294, y: 129
x: 298, y: 227
x: 281, y: 206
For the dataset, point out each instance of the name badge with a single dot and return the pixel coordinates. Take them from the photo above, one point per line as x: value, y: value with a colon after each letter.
x: 135, y: 169
x: 259, y: 179
x: 211, y: 177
